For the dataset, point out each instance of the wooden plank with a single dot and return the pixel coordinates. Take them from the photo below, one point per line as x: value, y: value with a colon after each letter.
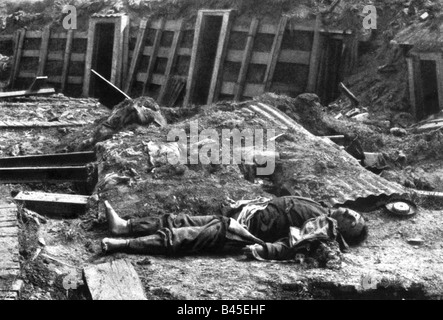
x: 24, y: 93
x: 314, y: 60
x: 59, y: 35
x: 57, y: 159
x: 30, y: 196
x: 223, y: 41
x: 24, y: 74
x: 8, y: 232
x: 171, y: 59
x: 67, y: 59
x: 31, y: 53
x: 295, y: 56
x: 153, y: 57
x: 138, y: 50
x: 228, y: 88
x: 43, y: 51
x: 33, y: 34
x: 17, y: 56
x: 6, y: 37
x: 246, y: 60
x: 174, y: 25
x: 252, y: 89
x: 58, y: 79
x: 199, y: 27
x: 81, y: 35
x: 114, y: 280
x: 43, y: 174
x: 275, y: 52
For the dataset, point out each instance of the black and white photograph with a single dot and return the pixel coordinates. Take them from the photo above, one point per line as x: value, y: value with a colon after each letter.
x: 219, y: 158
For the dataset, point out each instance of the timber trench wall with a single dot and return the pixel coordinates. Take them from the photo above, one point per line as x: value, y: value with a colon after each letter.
x: 252, y: 58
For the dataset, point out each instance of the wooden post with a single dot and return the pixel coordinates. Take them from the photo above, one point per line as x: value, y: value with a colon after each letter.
x: 275, y: 53
x: 314, y: 60
x: 439, y: 67
x: 240, y: 85
x: 222, y: 46
x: 43, y: 51
x: 411, y: 83
x: 136, y: 56
x: 21, y: 34
x: 194, y: 59
x: 153, y: 57
x: 67, y: 59
x: 125, y: 48
x: 89, y: 57
x: 171, y: 60
x: 419, y: 112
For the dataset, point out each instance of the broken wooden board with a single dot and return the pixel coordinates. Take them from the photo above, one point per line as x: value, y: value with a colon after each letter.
x: 53, y: 203
x: 115, y: 280
x: 10, y: 287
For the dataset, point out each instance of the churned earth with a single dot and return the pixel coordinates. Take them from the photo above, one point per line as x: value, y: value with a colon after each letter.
x: 139, y: 182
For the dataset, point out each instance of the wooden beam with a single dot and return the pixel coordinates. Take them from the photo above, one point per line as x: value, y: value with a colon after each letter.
x: 44, y: 160
x: 153, y: 57
x: 240, y: 85
x: 67, y: 59
x: 199, y: 27
x: 20, y: 38
x: 217, y: 74
x: 314, y: 60
x: 114, y: 280
x: 43, y: 51
x: 275, y: 52
x: 136, y: 57
x: 43, y: 174
x: 171, y: 60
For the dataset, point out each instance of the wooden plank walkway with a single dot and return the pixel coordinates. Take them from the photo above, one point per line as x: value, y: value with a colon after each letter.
x: 10, y: 286
x: 39, y: 124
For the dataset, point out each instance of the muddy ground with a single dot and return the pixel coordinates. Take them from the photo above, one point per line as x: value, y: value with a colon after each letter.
x: 137, y: 187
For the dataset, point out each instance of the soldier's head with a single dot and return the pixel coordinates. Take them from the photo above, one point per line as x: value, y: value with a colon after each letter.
x: 351, y: 225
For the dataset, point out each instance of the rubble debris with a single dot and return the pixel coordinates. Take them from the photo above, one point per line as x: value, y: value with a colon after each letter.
x: 362, y: 117
x: 375, y: 161
x: 114, y: 280
x: 142, y: 111
x: 398, y: 132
